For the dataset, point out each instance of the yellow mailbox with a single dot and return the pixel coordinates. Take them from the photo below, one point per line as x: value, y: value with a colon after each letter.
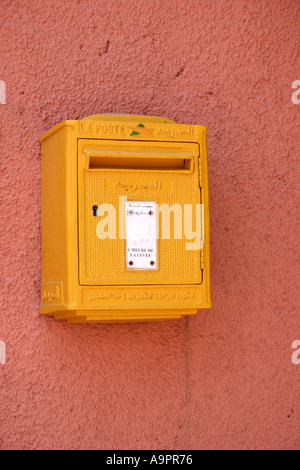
x: 125, y: 220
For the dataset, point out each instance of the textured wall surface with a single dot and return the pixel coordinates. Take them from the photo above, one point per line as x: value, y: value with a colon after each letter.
x: 222, y: 379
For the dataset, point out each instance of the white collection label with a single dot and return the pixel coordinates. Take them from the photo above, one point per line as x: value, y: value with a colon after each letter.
x: 141, y: 235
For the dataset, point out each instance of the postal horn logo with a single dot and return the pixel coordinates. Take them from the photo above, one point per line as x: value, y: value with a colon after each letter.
x: 141, y: 130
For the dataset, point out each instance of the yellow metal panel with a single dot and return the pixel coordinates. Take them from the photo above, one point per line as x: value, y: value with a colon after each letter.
x: 102, y: 262
x: 59, y: 215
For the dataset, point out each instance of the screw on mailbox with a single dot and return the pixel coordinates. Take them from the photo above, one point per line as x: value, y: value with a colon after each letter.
x: 130, y: 263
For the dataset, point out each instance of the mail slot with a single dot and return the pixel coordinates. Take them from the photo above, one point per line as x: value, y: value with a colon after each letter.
x: 125, y: 220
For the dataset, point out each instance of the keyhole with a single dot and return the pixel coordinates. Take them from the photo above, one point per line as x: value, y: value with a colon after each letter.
x: 95, y: 210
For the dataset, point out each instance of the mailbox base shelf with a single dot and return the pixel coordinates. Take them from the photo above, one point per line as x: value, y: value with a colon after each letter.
x: 122, y: 304
x: 120, y: 316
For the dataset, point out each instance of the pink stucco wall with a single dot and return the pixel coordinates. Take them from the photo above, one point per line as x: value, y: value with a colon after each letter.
x: 222, y: 379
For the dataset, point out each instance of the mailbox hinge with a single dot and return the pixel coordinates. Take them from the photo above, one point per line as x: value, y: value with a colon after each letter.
x: 200, y: 172
x: 202, y: 258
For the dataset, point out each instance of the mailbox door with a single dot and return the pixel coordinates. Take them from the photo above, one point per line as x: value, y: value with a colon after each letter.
x: 113, y: 172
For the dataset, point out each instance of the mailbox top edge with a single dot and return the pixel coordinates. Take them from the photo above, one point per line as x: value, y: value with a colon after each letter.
x: 163, y: 128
